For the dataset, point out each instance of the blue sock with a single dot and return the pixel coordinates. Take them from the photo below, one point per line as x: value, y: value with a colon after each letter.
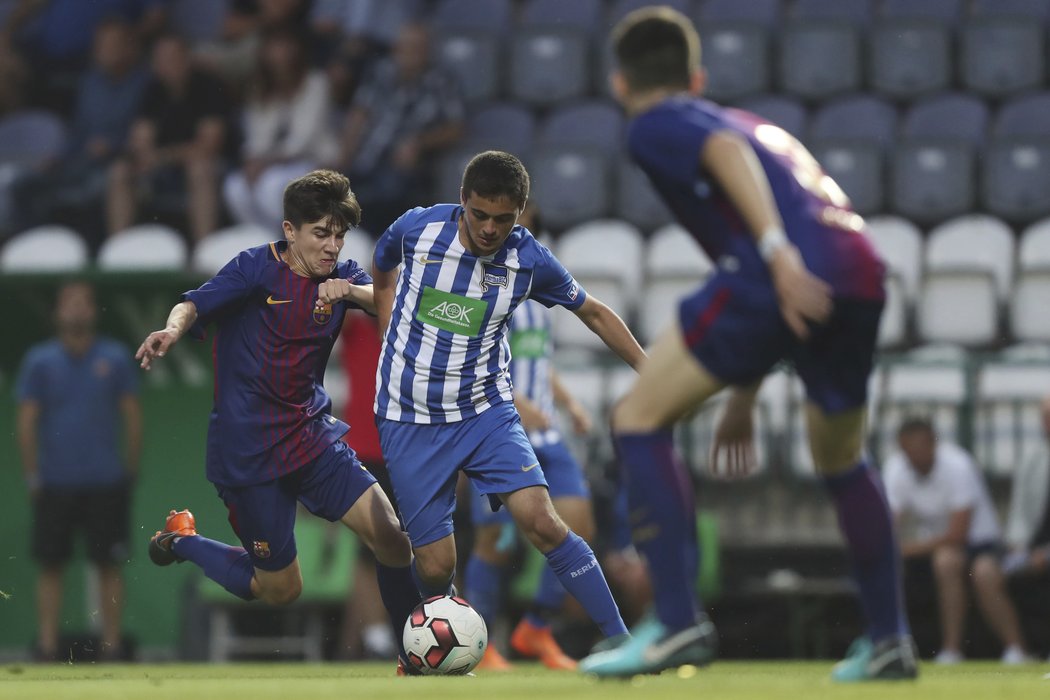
x: 663, y: 522
x: 483, y: 581
x: 549, y: 598
x: 230, y: 567
x: 866, y: 523
x: 574, y: 564
x: 400, y: 597
x: 428, y: 590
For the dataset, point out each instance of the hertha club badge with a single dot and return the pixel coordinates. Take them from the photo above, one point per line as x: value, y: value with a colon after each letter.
x: 261, y: 549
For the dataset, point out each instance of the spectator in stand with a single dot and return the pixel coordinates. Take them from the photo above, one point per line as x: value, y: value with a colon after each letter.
x: 287, y: 132
x: 107, y: 100
x: 406, y: 111
x: 1028, y: 522
x: 936, y: 492
x: 175, y: 147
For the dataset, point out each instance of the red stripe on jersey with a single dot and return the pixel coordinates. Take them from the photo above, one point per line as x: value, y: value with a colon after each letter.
x: 695, y: 334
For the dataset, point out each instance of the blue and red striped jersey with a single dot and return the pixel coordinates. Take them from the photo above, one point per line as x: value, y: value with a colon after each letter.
x: 271, y: 414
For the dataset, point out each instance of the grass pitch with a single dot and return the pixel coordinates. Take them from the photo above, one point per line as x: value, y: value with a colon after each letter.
x: 725, y: 680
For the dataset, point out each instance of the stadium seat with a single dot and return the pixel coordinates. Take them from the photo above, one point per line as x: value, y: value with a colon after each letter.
x: 946, y: 12
x: 501, y: 125
x: 31, y: 137
x: 1029, y: 310
x: 448, y: 174
x: 909, y: 58
x: 855, y: 11
x: 736, y: 57
x: 473, y: 15
x: 144, y: 247
x: 44, y: 249
x: 570, y: 185
x: 893, y: 326
x: 790, y: 115
x: 358, y: 245
x: 1000, y: 57
x: 764, y: 12
x: 1015, y: 182
x: 819, y: 60
x: 865, y: 118
x: 1023, y: 117
x: 593, y: 123
x: 675, y: 265
x: 900, y: 244
x: 1007, y: 423
x: 549, y: 65
x: 622, y: 7
x: 475, y: 59
x: 578, y: 14
x: 198, y: 20
x: 969, y: 270
x: 1033, y: 10
x: 636, y: 201
x: 932, y: 181
x: 603, y: 256
x: 857, y: 168
x: 214, y: 251
x: 950, y: 116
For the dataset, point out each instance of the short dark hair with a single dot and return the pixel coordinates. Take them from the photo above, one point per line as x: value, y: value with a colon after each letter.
x: 318, y: 194
x: 496, y: 174
x: 656, y: 47
x: 915, y: 424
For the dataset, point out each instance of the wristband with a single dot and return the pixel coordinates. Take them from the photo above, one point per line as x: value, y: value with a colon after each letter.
x: 772, y: 240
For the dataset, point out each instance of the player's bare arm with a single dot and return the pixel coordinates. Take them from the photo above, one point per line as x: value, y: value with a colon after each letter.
x: 581, y: 419
x: 28, y: 417
x: 383, y: 286
x: 729, y: 158
x: 954, y: 536
x: 156, y: 344
x: 331, y: 291
x: 607, y: 325
x: 532, y: 418
x: 733, y: 449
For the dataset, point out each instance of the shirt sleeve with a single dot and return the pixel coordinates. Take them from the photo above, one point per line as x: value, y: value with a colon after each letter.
x: 29, y: 385
x: 552, y: 285
x: 126, y: 374
x: 671, y: 143
x: 389, y: 251
x: 965, y: 487
x: 233, y: 283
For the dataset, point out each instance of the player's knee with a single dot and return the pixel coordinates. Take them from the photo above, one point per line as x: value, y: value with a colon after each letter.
x: 391, y: 545
x: 948, y: 560
x: 284, y: 593
x: 544, y: 529
x: 435, y: 570
x: 986, y: 572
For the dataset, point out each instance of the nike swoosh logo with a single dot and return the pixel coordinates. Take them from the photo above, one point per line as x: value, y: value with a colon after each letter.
x: 426, y: 261
x: 530, y: 467
x: 271, y: 300
x: 661, y: 651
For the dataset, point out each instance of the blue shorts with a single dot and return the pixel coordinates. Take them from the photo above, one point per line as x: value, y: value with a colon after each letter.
x: 263, y: 515
x: 733, y: 326
x: 564, y: 478
x: 424, y: 462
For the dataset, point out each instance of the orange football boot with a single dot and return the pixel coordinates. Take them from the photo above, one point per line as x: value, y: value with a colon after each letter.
x: 492, y: 660
x: 179, y: 524
x: 538, y: 643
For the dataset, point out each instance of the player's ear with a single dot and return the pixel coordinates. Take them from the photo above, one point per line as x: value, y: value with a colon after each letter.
x: 698, y: 81
x: 462, y: 198
x: 289, y: 231
x: 618, y: 85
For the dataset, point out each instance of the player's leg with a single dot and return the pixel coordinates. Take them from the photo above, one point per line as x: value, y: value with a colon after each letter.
x: 949, y: 575
x: 107, y: 531
x: 54, y: 522
x: 494, y: 540
x: 996, y: 607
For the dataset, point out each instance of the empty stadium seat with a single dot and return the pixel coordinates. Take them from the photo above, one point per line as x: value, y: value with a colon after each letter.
x: 736, y: 57
x: 1023, y: 117
x: 474, y: 15
x: 1007, y: 422
x: 144, y: 247
x: 44, y: 249
x: 214, y: 251
x: 999, y: 57
x: 501, y: 125
x: 950, y: 117
x: 1015, y: 181
x: 1033, y: 10
x: 863, y: 118
x: 549, y: 65
x: 977, y: 241
x: 899, y: 243
x: 765, y: 12
x: 570, y: 185
x: 675, y: 266
x: 579, y: 14
x: 908, y: 58
x: 592, y: 123
x: 475, y: 59
x: 857, y: 168
x: 623, y: 7
x: 1029, y: 310
x: 819, y: 60
x: 636, y: 201
x: 787, y: 113
x: 932, y: 181
x: 945, y: 11
x: 856, y: 11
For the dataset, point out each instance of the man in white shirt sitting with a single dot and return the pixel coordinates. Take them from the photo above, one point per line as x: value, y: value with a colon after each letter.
x: 936, y: 490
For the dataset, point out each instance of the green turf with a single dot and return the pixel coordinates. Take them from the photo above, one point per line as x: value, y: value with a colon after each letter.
x: 724, y: 681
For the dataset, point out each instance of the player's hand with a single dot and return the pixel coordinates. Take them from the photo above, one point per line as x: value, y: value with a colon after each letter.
x: 333, y: 290
x: 155, y: 345
x: 532, y: 419
x: 803, y: 296
x: 733, y: 450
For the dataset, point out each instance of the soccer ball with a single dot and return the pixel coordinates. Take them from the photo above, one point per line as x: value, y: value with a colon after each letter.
x: 445, y: 636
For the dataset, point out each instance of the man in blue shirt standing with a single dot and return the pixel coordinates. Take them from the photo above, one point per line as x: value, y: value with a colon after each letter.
x: 73, y: 392
x: 272, y: 440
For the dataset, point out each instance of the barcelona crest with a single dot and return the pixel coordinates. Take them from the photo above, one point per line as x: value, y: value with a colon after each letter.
x: 261, y: 549
x: 322, y: 314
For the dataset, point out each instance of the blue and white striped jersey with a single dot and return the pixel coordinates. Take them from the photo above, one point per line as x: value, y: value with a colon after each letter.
x: 530, y: 365
x: 446, y: 355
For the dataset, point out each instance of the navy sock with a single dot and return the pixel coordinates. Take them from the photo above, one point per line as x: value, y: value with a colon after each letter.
x: 428, y: 590
x: 866, y: 523
x: 577, y: 569
x: 230, y: 567
x: 482, y: 581
x: 400, y: 597
x: 549, y: 598
x: 662, y: 514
